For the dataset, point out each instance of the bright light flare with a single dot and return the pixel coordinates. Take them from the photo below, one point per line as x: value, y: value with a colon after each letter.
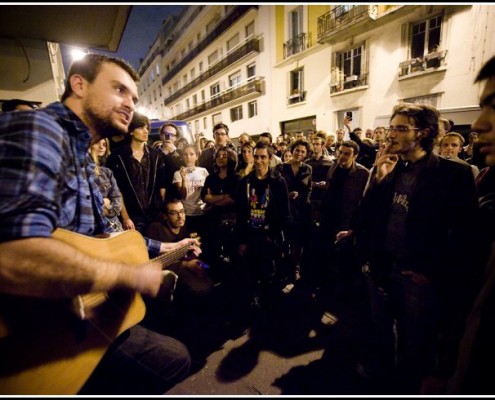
x: 77, y: 54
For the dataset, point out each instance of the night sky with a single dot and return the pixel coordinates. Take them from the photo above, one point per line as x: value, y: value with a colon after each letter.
x: 142, y: 27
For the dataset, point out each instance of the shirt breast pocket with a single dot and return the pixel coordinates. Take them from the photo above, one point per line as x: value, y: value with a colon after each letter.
x: 69, y: 201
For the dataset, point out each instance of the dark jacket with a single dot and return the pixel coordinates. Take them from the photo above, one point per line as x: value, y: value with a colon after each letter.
x: 441, y: 240
x: 119, y: 162
x: 351, y: 193
x: 441, y: 221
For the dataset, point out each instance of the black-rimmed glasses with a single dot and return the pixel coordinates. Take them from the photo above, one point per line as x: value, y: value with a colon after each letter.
x: 400, y: 129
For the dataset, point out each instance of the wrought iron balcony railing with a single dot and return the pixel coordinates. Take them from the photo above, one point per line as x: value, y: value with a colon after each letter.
x: 341, y: 17
x: 224, y: 24
x: 252, y: 45
x: 295, y: 45
x: 252, y: 85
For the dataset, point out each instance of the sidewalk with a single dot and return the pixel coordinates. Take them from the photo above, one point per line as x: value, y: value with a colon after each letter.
x: 305, y: 346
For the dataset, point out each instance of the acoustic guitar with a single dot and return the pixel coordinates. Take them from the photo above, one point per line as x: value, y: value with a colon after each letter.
x: 50, y: 347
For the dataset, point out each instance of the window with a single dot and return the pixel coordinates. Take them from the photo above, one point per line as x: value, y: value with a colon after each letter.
x: 176, y: 86
x: 195, y: 100
x: 203, y: 97
x: 251, y: 70
x: 252, y: 109
x: 295, y: 22
x: 215, y: 89
x: 349, y: 68
x: 296, y: 81
x: 184, y: 80
x: 196, y: 125
x: 216, y: 118
x: 424, y: 51
x: 232, y: 42
x: 178, y: 109
x: 296, y: 86
x: 157, y: 68
x: 204, y: 123
x: 249, y: 29
x: 425, y: 37
x: 297, y: 40
x: 154, y: 94
x: 193, y: 73
x: 160, y: 90
x: 342, y: 9
x: 200, y: 66
x: 190, y: 46
x: 235, y: 79
x: 236, y: 113
x: 188, y: 104
x: 182, y: 53
x: 152, y: 76
x: 213, y: 57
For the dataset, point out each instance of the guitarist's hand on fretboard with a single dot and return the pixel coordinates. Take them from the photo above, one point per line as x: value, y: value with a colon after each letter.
x: 193, y: 243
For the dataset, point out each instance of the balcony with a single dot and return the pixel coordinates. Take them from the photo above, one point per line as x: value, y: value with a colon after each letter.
x: 419, y: 65
x: 296, y: 96
x: 295, y: 45
x: 252, y: 85
x: 222, y: 26
x: 341, y: 22
x: 251, y: 46
x: 341, y: 83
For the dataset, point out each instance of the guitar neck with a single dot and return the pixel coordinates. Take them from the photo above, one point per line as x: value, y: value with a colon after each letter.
x: 170, y: 257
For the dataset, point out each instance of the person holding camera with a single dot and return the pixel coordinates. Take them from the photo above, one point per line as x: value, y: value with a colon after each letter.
x: 169, y: 134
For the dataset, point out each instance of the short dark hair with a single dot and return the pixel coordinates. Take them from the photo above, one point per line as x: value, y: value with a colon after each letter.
x: 221, y: 125
x: 89, y: 66
x: 169, y: 124
x: 487, y: 71
x: 267, y: 135
x: 10, y: 105
x: 262, y: 145
x: 352, y: 144
x: 139, y: 121
x: 300, y: 142
x: 424, y: 116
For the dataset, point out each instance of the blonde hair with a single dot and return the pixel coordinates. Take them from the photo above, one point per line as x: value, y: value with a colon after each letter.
x: 95, y: 156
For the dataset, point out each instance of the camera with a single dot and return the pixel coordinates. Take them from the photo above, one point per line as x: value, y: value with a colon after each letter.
x: 348, y: 114
x: 167, y: 136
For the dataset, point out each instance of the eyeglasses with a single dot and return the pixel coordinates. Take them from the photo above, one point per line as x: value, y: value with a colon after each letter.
x: 400, y: 129
x: 221, y: 133
x: 176, y: 213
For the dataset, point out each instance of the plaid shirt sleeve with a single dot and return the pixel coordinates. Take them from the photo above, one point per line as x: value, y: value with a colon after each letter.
x: 32, y: 152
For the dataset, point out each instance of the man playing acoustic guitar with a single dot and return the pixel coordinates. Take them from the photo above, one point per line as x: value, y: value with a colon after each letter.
x: 48, y: 184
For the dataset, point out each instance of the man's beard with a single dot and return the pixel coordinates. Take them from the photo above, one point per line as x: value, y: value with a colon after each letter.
x: 103, y: 126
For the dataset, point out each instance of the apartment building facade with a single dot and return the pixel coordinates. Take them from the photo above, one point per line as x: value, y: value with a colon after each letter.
x: 280, y: 68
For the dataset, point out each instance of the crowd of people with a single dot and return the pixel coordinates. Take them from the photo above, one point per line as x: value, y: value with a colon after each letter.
x: 409, y: 206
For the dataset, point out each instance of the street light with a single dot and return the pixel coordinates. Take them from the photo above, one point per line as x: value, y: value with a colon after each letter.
x: 76, y: 54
